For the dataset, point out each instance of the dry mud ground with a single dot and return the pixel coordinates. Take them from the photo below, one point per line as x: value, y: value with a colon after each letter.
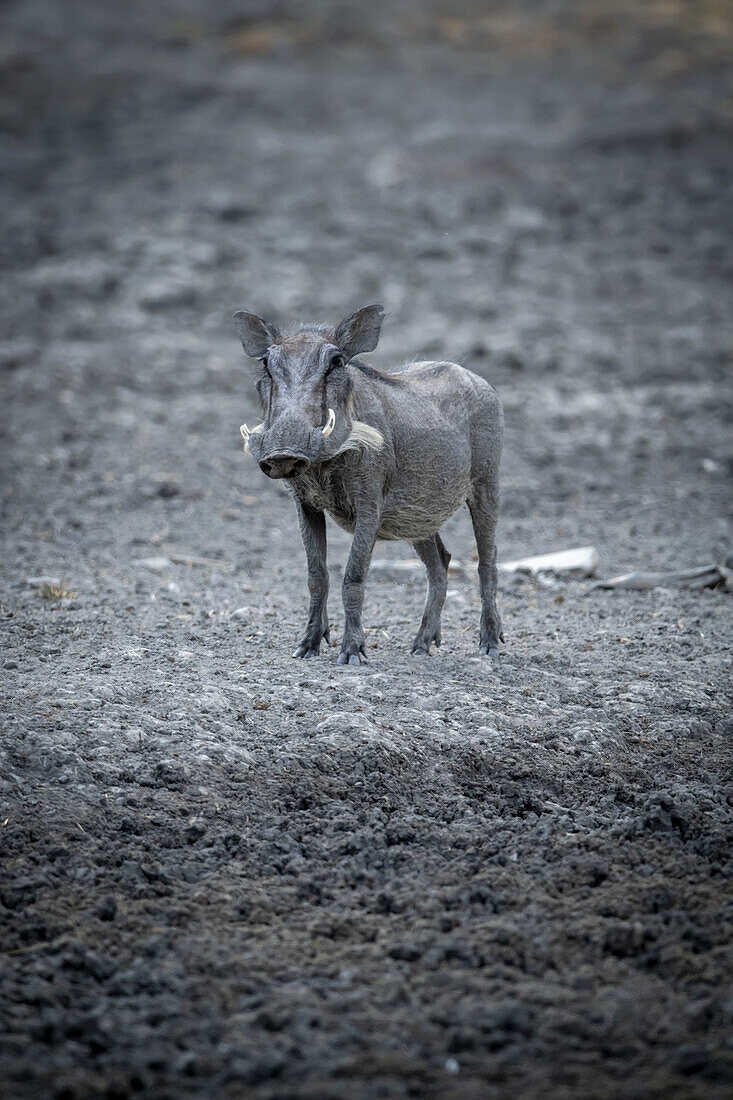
x: 228, y: 873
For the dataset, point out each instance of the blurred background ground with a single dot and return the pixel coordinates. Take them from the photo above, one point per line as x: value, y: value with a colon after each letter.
x: 227, y: 873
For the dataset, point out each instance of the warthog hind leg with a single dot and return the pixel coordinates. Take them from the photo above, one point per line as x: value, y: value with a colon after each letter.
x: 483, y: 503
x: 435, y: 556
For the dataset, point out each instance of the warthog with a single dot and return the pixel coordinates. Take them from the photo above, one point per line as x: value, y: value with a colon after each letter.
x: 387, y: 455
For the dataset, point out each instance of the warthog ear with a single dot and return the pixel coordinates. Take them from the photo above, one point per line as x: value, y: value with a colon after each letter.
x: 256, y: 335
x: 360, y: 331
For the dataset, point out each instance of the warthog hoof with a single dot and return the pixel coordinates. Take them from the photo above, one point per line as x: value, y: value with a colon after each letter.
x: 310, y: 644
x: 424, y: 639
x: 352, y: 655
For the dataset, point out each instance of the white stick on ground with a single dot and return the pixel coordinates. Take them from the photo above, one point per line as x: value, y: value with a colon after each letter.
x: 705, y: 576
x: 581, y: 562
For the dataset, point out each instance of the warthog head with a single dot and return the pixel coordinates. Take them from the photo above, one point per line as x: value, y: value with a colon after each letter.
x: 305, y: 389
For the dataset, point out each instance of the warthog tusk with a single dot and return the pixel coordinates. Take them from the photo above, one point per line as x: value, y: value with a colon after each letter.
x: 247, y: 432
x: 328, y: 427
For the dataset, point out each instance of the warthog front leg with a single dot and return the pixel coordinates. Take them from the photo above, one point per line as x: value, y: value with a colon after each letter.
x: 483, y: 504
x: 435, y: 556
x: 357, y: 567
x: 313, y: 532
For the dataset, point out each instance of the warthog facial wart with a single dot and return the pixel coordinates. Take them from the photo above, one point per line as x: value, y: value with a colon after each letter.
x: 388, y: 455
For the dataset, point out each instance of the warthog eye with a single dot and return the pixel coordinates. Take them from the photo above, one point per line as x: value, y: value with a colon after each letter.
x: 337, y: 361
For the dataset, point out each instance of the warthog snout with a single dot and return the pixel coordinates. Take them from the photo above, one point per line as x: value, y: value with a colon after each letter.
x: 277, y: 466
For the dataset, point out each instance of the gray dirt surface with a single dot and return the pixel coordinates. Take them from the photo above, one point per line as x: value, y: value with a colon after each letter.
x: 227, y: 873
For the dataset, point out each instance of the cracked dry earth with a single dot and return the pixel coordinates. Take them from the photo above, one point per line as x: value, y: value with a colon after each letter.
x: 227, y: 873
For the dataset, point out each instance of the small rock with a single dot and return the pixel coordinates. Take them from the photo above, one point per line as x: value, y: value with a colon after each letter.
x: 405, y: 952
x: 157, y: 564
x: 186, y: 1063
x: 131, y: 871
x: 691, y: 1059
x: 624, y: 938
x: 16, y: 353
x: 167, y: 294
x: 168, y: 489
x: 524, y: 219
x: 107, y: 908
x: 228, y: 207
x: 38, y: 582
x: 507, y: 358
x: 169, y: 774
x: 194, y: 832
x: 81, y: 277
